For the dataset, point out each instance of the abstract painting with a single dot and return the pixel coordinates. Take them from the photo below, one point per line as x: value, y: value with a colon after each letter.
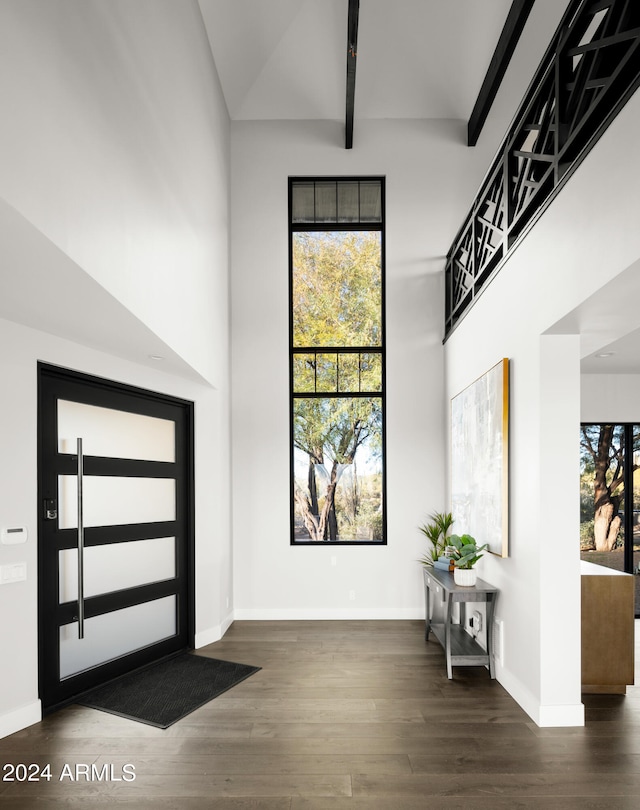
x: 480, y: 459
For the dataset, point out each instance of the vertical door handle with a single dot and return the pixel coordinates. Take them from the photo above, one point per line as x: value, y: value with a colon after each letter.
x: 80, y: 542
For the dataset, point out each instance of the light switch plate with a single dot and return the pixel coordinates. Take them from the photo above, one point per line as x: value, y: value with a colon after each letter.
x: 15, y: 572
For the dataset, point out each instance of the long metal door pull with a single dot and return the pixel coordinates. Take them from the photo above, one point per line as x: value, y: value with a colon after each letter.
x: 80, y: 543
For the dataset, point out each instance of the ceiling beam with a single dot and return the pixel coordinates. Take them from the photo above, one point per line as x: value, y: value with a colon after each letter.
x: 352, y: 55
x: 513, y: 27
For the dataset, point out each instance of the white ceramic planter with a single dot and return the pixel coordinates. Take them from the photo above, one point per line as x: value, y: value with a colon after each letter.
x: 465, y: 576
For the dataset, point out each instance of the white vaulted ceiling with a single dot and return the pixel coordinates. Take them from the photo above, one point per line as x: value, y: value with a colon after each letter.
x: 286, y: 59
x: 276, y: 60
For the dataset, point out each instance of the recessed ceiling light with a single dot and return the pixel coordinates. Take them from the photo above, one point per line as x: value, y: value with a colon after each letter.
x: 605, y: 354
x: 156, y: 357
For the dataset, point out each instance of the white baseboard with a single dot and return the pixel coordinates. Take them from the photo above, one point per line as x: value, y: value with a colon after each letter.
x: 212, y: 634
x: 20, y: 718
x: 560, y: 716
x: 324, y: 614
x: 563, y: 716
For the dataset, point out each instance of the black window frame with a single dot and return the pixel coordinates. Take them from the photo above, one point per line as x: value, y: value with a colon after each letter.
x: 628, y: 429
x: 337, y: 226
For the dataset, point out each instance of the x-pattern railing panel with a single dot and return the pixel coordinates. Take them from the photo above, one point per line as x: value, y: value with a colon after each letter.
x: 601, y: 44
x: 463, y: 269
x: 589, y: 72
x: 532, y: 150
x: 489, y: 225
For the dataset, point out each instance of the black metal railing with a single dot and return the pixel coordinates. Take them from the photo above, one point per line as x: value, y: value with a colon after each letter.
x: 588, y: 73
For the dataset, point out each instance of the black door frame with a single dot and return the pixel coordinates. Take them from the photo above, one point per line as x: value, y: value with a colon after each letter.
x: 106, y: 393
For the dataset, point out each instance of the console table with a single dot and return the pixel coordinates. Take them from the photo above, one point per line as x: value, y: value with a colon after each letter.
x: 461, y: 649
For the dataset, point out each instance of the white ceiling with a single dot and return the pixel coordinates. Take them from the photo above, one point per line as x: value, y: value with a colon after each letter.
x: 608, y: 323
x: 621, y: 356
x: 286, y: 59
x: 46, y: 290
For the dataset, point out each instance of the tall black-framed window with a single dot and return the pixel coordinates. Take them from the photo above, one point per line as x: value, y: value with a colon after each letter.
x: 337, y: 360
x: 610, y: 497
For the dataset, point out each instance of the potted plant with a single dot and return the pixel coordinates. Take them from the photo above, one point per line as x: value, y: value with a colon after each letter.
x: 437, y: 533
x: 465, y: 553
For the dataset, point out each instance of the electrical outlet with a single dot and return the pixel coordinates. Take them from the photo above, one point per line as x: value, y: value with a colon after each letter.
x: 352, y: 596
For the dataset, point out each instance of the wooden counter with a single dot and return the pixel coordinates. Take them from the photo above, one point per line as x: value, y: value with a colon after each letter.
x: 608, y: 609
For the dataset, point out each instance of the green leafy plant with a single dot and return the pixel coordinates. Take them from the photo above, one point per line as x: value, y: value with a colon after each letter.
x: 437, y: 533
x: 464, y: 551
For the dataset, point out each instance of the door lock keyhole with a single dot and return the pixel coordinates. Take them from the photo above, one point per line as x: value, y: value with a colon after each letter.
x: 50, y: 509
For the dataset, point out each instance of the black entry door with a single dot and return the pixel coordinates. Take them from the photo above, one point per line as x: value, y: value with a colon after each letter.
x: 115, y: 540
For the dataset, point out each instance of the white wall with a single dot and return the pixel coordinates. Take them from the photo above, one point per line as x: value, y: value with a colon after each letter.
x: 610, y: 398
x: 115, y: 145
x: 430, y: 176
x: 587, y: 236
x: 114, y: 180
x: 20, y: 350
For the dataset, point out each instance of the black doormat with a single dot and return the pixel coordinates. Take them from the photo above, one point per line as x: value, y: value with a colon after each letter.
x: 165, y: 692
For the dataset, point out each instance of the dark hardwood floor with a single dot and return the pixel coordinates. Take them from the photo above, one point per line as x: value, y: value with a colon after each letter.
x: 342, y: 716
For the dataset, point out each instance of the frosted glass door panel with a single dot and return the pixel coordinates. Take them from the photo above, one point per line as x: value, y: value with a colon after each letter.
x: 114, y: 501
x: 115, y: 434
x: 115, y: 634
x: 117, y: 566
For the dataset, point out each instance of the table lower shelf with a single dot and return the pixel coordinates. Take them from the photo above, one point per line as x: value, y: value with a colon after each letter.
x: 464, y: 650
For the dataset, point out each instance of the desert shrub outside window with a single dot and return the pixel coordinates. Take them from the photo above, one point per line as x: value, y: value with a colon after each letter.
x: 337, y: 360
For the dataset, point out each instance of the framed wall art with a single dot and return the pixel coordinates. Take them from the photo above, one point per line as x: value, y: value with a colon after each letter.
x: 480, y: 459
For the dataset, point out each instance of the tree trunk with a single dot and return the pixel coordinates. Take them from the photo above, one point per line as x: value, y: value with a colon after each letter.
x: 606, y: 521
x: 323, y: 523
x: 356, y: 494
x: 333, y: 524
x: 329, y: 508
x: 313, y: 488
x: 310, y: 520
x: 606, y: 526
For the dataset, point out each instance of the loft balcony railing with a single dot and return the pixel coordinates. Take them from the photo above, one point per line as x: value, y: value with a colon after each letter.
x: 589, y: 72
